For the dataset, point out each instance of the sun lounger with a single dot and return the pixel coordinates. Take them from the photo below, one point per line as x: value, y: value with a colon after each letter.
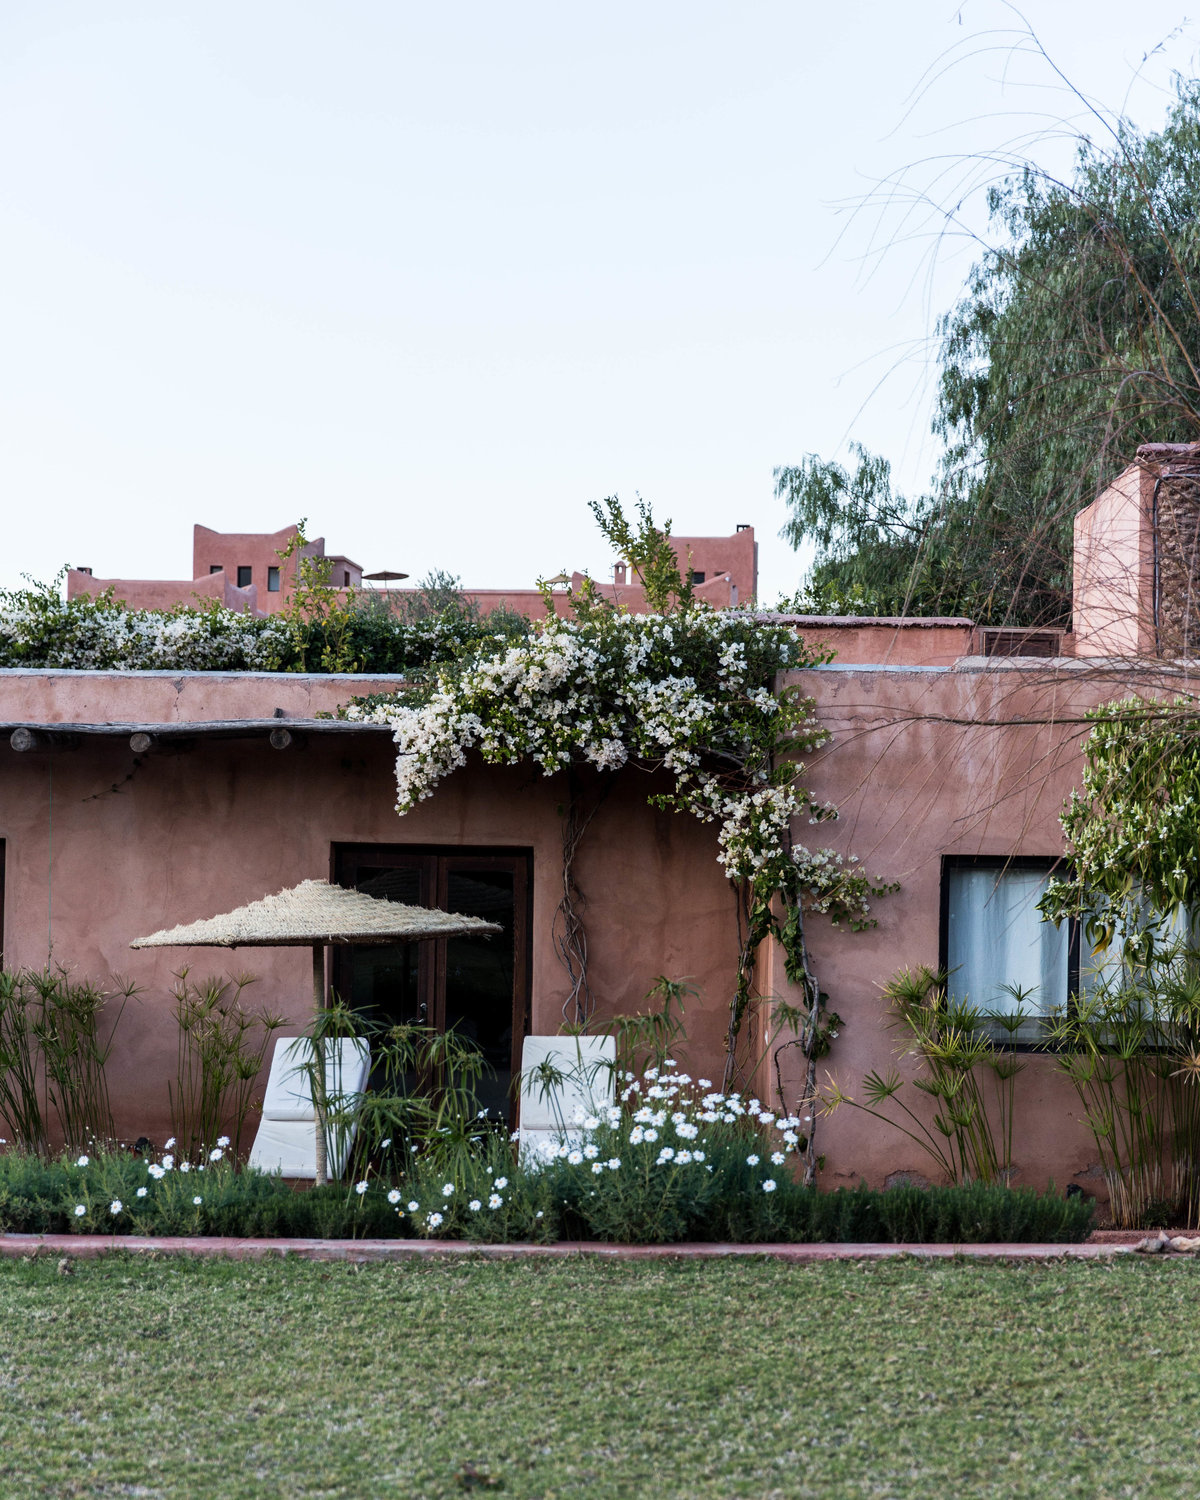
x: 564, y: 1079
x: 286, y: 1139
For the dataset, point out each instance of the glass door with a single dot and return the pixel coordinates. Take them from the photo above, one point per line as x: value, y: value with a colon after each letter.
x: 477, y: 986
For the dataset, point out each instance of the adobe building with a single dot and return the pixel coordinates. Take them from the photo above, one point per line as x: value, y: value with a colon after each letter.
x: 131, y: 802
x: 245, y: 571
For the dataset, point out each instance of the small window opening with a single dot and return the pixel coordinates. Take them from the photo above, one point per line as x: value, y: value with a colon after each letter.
x: 345, y: 578
x: 272, y: 580
x: 215, y: 568
x: 697, y: 576
x: 244, y: 575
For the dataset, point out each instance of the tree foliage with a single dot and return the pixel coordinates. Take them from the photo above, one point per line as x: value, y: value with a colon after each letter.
x: 1077, y: 339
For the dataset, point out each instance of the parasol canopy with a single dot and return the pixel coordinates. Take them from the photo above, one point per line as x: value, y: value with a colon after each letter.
x: 314, y: 913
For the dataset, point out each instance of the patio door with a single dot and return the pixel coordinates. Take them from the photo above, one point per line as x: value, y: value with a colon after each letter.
x: 478, y: 986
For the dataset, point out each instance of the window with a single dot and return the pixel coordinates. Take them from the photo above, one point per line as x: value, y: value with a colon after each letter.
x: 697, y: 577
x: 215, y: 568
x: 994, y: 941
x: 479, y: 986
x: 272, y: 580
x: 345, y: 578
x: 244, y: 575
x: 1106, y: 972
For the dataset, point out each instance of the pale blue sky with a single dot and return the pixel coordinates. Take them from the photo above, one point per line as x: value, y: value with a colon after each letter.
x: 436, y: 275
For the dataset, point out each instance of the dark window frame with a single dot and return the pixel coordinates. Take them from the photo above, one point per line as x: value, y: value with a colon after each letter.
x: 248, y: 570
x: 1046, y: 864
x: 436, y: 862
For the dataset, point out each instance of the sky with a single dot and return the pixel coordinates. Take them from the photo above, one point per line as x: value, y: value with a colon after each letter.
x: 435, y: 276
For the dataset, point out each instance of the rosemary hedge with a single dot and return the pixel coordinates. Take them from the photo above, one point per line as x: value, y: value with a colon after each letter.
x: 115, y: 1192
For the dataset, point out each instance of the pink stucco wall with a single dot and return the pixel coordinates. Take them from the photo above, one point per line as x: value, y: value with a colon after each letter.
x: 259, y: 551
x: 1114, y: 571
x: 924, y: 761
x: 168, y: 593
x: 102, y: 847
x: 978, y: 760
x: 888, y: 640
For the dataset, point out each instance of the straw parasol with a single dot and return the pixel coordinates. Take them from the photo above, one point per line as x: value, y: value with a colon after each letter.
x: 313, y: 914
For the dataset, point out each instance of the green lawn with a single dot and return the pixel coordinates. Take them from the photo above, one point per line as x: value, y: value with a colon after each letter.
x: 593, y: 1379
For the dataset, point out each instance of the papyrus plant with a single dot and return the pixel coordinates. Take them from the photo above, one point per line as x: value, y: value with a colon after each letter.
x: 967, y: 1073
x: 222, y: 1044
x: 56, y: 1034
x: 1131, y: 1049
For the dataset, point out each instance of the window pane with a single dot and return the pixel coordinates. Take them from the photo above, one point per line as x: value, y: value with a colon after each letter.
x: 243, y: 578
x: 479, y: 978
x: 272, y: 580
x: 1106, y: 971
x: 996, y: 938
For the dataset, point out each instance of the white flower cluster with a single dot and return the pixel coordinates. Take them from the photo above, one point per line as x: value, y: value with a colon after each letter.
x: 692, y: 695
x: 673, y: 1118
x: 36, y: 630
x: 157, y: 1171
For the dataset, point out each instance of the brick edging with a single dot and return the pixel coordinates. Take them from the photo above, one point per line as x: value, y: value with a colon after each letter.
x: 90, y: 1246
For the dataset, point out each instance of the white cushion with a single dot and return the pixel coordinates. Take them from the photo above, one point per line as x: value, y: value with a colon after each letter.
x: 288, y: 1094
x: 287, y: 1137
x: 587, y: 1084
x: 289, y: 1148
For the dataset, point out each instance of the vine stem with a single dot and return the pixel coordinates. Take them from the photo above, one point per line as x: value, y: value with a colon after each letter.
x: 568, y: 930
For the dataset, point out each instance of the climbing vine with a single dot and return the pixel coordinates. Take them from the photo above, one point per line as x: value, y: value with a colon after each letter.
x: 1133, y: 827
x: 688, y: 691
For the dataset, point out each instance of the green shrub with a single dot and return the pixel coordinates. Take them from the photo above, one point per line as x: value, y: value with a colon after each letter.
x: 730, y: 1193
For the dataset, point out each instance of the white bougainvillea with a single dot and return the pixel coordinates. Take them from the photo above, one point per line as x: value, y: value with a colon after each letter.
x: 38, y: 629
x: 693, y: 694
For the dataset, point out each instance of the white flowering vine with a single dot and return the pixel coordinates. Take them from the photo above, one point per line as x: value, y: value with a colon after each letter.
x: 691, y: 692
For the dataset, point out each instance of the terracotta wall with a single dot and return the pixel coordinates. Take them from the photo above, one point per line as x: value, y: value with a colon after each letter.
x: 1137, y: 559
x: 168, y: 593
x: 974, y: 760
x: 923, y: 761
x: 103, y: 847
x: 259, y: 551
x: 1114, y: 572
x: 886, y: 641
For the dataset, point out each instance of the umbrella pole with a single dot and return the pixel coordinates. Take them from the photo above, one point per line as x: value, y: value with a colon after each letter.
x: 318, y: 971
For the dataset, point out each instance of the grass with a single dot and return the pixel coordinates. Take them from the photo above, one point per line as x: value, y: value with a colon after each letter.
x: 590, y: 1379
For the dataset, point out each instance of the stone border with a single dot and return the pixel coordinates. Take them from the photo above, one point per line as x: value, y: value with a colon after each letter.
x: 361, y: 1252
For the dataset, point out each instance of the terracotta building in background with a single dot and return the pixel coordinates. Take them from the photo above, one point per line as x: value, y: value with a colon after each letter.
x: 245, y: 571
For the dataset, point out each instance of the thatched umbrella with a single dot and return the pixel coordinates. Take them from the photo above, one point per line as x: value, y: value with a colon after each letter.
x: 314, y: 914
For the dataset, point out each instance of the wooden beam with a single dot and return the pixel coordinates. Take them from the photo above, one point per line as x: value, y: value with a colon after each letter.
x: 24, y: 739
x: 143, y: 741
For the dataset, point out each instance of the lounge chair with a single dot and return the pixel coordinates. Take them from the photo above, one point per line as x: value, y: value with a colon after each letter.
x: 563, y: 1080
x: 286, y: 1140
